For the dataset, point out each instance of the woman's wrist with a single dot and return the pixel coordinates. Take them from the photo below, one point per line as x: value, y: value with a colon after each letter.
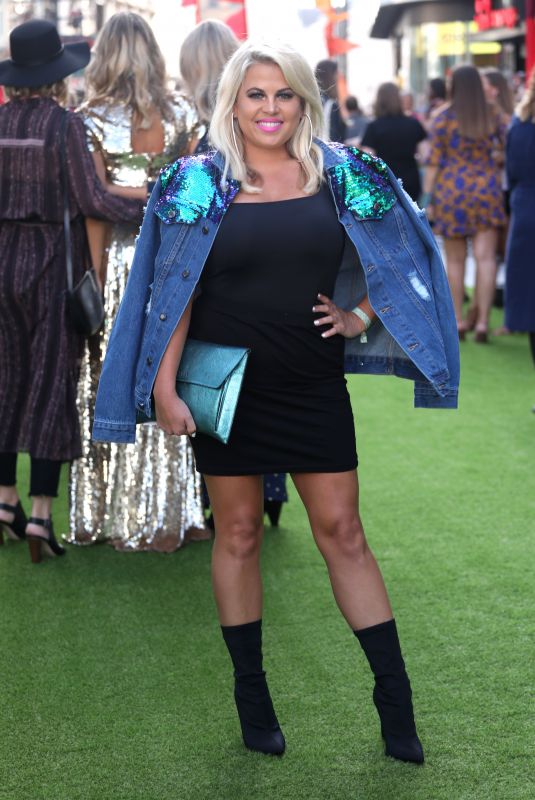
x: 164, y: 389
x: 366, y: 320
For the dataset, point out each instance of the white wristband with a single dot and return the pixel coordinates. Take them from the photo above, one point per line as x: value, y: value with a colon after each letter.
x: 366, y: 320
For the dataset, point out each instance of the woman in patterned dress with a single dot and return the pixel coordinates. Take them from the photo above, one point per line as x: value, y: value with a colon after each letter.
x: 463, y: 189
x: 147, y: 496
x: 39, y: 349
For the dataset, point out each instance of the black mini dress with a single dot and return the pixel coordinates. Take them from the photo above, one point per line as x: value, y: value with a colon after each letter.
x: 260, y: 281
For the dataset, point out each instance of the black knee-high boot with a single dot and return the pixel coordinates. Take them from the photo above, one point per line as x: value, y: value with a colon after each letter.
x: 260, y: 728
x: 392, y: 693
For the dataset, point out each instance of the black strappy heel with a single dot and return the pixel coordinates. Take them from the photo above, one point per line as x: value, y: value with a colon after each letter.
x: 16, y: 529
x: 39, y: 545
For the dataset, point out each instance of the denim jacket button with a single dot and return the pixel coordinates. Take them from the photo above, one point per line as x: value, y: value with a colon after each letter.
x: 163, y: 317
x: 185, y: 273
x: 171, y: 213
x: 149, y: 361
x: 205, y: 230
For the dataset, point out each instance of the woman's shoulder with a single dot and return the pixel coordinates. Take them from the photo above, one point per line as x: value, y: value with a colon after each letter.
x: 108, y: 126
x: 443, y: 115
x: 363, y: 182
x: 182, y: 109
x: 101, y: 118
x: 104, y: 111
x: 186, y: 166
x: 191, y: 188
x: 179, y: 100
x: 354, y: 157
x: 521, y: 130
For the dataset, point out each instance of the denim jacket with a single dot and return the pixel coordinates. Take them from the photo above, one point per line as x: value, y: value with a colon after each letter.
x: 390, y: 255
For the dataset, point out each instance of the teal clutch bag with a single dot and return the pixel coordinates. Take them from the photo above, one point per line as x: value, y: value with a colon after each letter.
x: 209, y: 381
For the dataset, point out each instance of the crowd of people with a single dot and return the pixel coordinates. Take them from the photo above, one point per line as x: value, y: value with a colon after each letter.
x: 254, y: 148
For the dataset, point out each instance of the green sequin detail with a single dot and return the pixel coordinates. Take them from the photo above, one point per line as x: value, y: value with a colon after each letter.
x: 191, y: 189
x: 361, y: 183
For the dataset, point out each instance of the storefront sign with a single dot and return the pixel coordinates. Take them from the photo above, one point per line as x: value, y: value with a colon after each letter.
x: 451, y: 39
x: 487, y: 17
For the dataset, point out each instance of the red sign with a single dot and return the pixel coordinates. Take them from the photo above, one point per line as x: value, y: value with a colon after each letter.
x: 487, y: 17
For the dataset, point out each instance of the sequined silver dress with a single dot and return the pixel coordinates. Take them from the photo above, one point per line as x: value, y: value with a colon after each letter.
x: 145, y: 496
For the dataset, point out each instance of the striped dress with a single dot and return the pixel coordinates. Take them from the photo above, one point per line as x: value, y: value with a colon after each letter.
x: 39, y: 350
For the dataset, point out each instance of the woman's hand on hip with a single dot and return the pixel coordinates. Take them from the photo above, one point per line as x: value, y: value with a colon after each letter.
x: 173, y: 416
x: 342, y: 322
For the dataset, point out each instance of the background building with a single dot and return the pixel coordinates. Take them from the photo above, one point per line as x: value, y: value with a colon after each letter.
x: 429, y: 37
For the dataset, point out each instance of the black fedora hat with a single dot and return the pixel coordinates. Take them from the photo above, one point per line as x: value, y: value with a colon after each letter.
x: 38, y: 56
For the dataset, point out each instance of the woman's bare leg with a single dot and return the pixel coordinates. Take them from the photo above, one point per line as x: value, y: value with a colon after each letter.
x: 455, y: 266
x: 237, y: 506
x: 331, y: 501
x: 332, y: 504
x: 485, y: 244
x: 238, y: 516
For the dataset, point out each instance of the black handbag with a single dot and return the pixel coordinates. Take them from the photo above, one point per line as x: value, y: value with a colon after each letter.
x: 85, y: 304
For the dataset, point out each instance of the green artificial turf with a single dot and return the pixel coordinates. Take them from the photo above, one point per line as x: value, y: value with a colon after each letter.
x: 115, y: 684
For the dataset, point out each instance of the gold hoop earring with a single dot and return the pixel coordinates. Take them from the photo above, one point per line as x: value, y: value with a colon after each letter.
x: 234, y: 135
x: 311, y: 134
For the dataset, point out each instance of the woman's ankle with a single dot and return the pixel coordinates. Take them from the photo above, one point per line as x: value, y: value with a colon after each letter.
x: 41, y: 506
x: 9, y: 496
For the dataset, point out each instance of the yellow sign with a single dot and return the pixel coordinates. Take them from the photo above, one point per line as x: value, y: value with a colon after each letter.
x: 451, y: 39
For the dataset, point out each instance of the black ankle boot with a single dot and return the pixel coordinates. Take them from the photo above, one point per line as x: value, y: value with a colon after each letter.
x: 392, y: 694
x: 260, y: 728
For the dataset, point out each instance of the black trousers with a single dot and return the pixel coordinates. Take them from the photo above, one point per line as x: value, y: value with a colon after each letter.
x: 532, y: 345
x: 44, y: 474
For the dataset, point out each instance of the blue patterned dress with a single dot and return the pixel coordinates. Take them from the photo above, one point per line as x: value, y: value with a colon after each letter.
x: 468, y: 194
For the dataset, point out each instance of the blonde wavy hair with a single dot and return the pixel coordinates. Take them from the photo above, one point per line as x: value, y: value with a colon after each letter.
x: 226, y: 136
x: 128, y: 67
x: 57, y: 91
x: 525, y: 110
x: 203, y: 54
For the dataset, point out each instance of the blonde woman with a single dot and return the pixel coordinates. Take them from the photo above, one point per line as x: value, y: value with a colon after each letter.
x: 147, y: 496
x: 203, y: 54
x: 269, y: 228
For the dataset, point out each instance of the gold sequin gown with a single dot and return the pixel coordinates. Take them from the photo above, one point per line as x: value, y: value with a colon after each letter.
x: 145, y: 496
